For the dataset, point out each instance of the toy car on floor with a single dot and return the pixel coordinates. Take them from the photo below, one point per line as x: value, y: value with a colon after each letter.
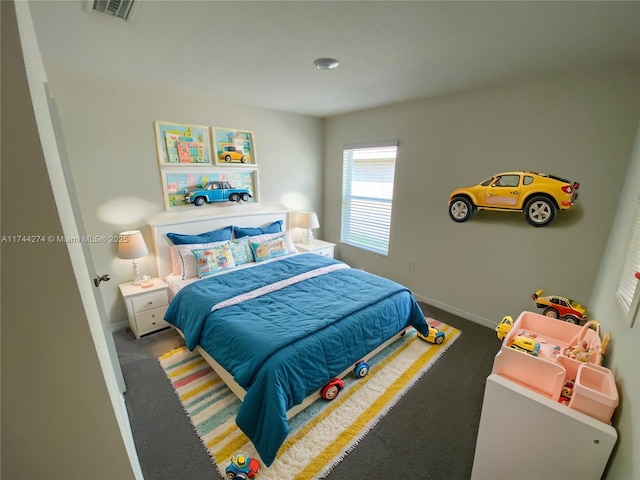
x: 242, y: 467
x: 435, y: 336
x: 563, y: 308
x: 538, y: 195
x: 361, y: 369
x: 332, y: 389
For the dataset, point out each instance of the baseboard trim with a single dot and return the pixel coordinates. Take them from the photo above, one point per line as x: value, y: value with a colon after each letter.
x: 116, y: 327
x: 457, y: 311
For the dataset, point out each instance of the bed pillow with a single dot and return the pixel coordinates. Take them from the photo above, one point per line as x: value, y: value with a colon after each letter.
x: 268, y: 236
x: 214, y: 259
x: 219, y: 235
x: 241, y: 251
x: 176, y: 261
x: 266, y: 249
x: 187, y: 263
x: 275, y: 227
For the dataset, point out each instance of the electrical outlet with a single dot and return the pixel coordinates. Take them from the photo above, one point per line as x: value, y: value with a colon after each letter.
x: 412, y: 265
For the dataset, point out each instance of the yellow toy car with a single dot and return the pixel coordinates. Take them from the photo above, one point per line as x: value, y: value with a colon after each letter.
x: 230, y: 152
x: 435, y: 336
x: 526, y: 344
x: 504, y: 327
x: 538, y: 195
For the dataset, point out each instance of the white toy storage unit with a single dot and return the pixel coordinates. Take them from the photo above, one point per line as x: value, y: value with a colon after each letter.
x: 525, y: 431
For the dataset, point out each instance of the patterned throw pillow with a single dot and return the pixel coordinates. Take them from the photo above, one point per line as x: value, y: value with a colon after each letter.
x: 214, y: 259
x: 268, y: 249
x: 241, y: 251
x: 187, y: 260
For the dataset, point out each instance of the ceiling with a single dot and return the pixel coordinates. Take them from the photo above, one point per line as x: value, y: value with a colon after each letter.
x: 261, y: 53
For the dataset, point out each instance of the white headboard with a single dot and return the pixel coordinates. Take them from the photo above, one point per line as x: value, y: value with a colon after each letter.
x: 195, y: 225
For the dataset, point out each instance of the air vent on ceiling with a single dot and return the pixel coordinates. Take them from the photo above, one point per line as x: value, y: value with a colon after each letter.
x: 117, y: 8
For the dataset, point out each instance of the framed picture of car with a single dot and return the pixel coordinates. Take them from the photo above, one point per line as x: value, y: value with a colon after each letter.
x: 182, y: 145
x: 190, y: 188
x: 233, y: 147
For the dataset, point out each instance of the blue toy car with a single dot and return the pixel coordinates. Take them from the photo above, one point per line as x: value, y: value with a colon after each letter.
x: 216, y: 192
x: 361, y: 369
x: 242, y: 467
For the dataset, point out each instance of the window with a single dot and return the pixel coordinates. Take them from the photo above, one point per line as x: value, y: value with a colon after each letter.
x: 628, y: 281
x: 508, y: 181
x: 487, y: 182
x: 367, y: 196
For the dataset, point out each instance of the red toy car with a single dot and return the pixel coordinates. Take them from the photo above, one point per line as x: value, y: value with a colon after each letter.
x: 332, y: 389
x: 556, y: 306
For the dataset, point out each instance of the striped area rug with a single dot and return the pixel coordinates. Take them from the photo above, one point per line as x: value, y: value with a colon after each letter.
x: 322, y: 434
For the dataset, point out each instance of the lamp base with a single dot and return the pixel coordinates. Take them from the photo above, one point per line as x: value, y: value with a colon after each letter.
x: 137, y: 280
x: 308, y: 238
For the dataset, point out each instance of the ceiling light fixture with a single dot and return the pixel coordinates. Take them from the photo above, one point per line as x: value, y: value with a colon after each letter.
x: 326, y: 63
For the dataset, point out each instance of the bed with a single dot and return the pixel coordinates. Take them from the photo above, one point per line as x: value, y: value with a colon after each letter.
x: 277, y: 331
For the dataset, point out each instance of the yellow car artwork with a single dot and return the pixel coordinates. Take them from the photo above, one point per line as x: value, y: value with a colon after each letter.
x: 230, y: 153
x: 538, y: 195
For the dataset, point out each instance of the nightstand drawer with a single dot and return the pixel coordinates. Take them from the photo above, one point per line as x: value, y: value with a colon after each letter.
x: 151, y: 320
x: 149, y: 301
x: 325, y: 252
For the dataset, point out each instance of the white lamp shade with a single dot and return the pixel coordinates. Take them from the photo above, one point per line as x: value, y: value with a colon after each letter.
x: 308, y: 220
x: 131, y: 245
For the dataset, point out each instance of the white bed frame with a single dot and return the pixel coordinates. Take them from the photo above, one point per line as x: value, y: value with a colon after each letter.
x: 189, y: 224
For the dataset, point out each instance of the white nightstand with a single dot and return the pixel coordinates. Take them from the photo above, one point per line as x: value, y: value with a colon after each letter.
x: 325, y: 249
x: 146, y: 306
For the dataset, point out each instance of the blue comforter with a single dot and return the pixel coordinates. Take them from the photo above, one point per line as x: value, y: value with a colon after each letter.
x: 284, y: 345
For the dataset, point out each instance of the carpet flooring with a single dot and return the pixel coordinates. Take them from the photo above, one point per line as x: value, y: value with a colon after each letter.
x: 429, y: 434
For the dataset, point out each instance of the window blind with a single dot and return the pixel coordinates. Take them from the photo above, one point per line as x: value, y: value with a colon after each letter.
x: 367, y: 196
x: 628, y: 281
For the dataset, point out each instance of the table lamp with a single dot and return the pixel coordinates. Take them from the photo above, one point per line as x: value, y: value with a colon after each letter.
x: 131, y: 246
x: 308, y: 221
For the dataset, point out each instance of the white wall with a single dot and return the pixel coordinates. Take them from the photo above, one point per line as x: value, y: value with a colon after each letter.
x: 623, y: 356
x: 579, y: 127
x: 109, y: 132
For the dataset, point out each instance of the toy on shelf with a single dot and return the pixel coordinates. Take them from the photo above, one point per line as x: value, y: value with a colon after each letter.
x: 216, y: 192
x: 504, y: 327
x: 526, y: 344
x: 580, y: 349
x: 563, y: 308
x: 567, y: 392
x: 242, y: 467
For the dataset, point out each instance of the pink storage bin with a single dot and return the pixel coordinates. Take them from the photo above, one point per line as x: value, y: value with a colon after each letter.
x: 546, y: 373
x: 594, y: 392
x: 541, y: 376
